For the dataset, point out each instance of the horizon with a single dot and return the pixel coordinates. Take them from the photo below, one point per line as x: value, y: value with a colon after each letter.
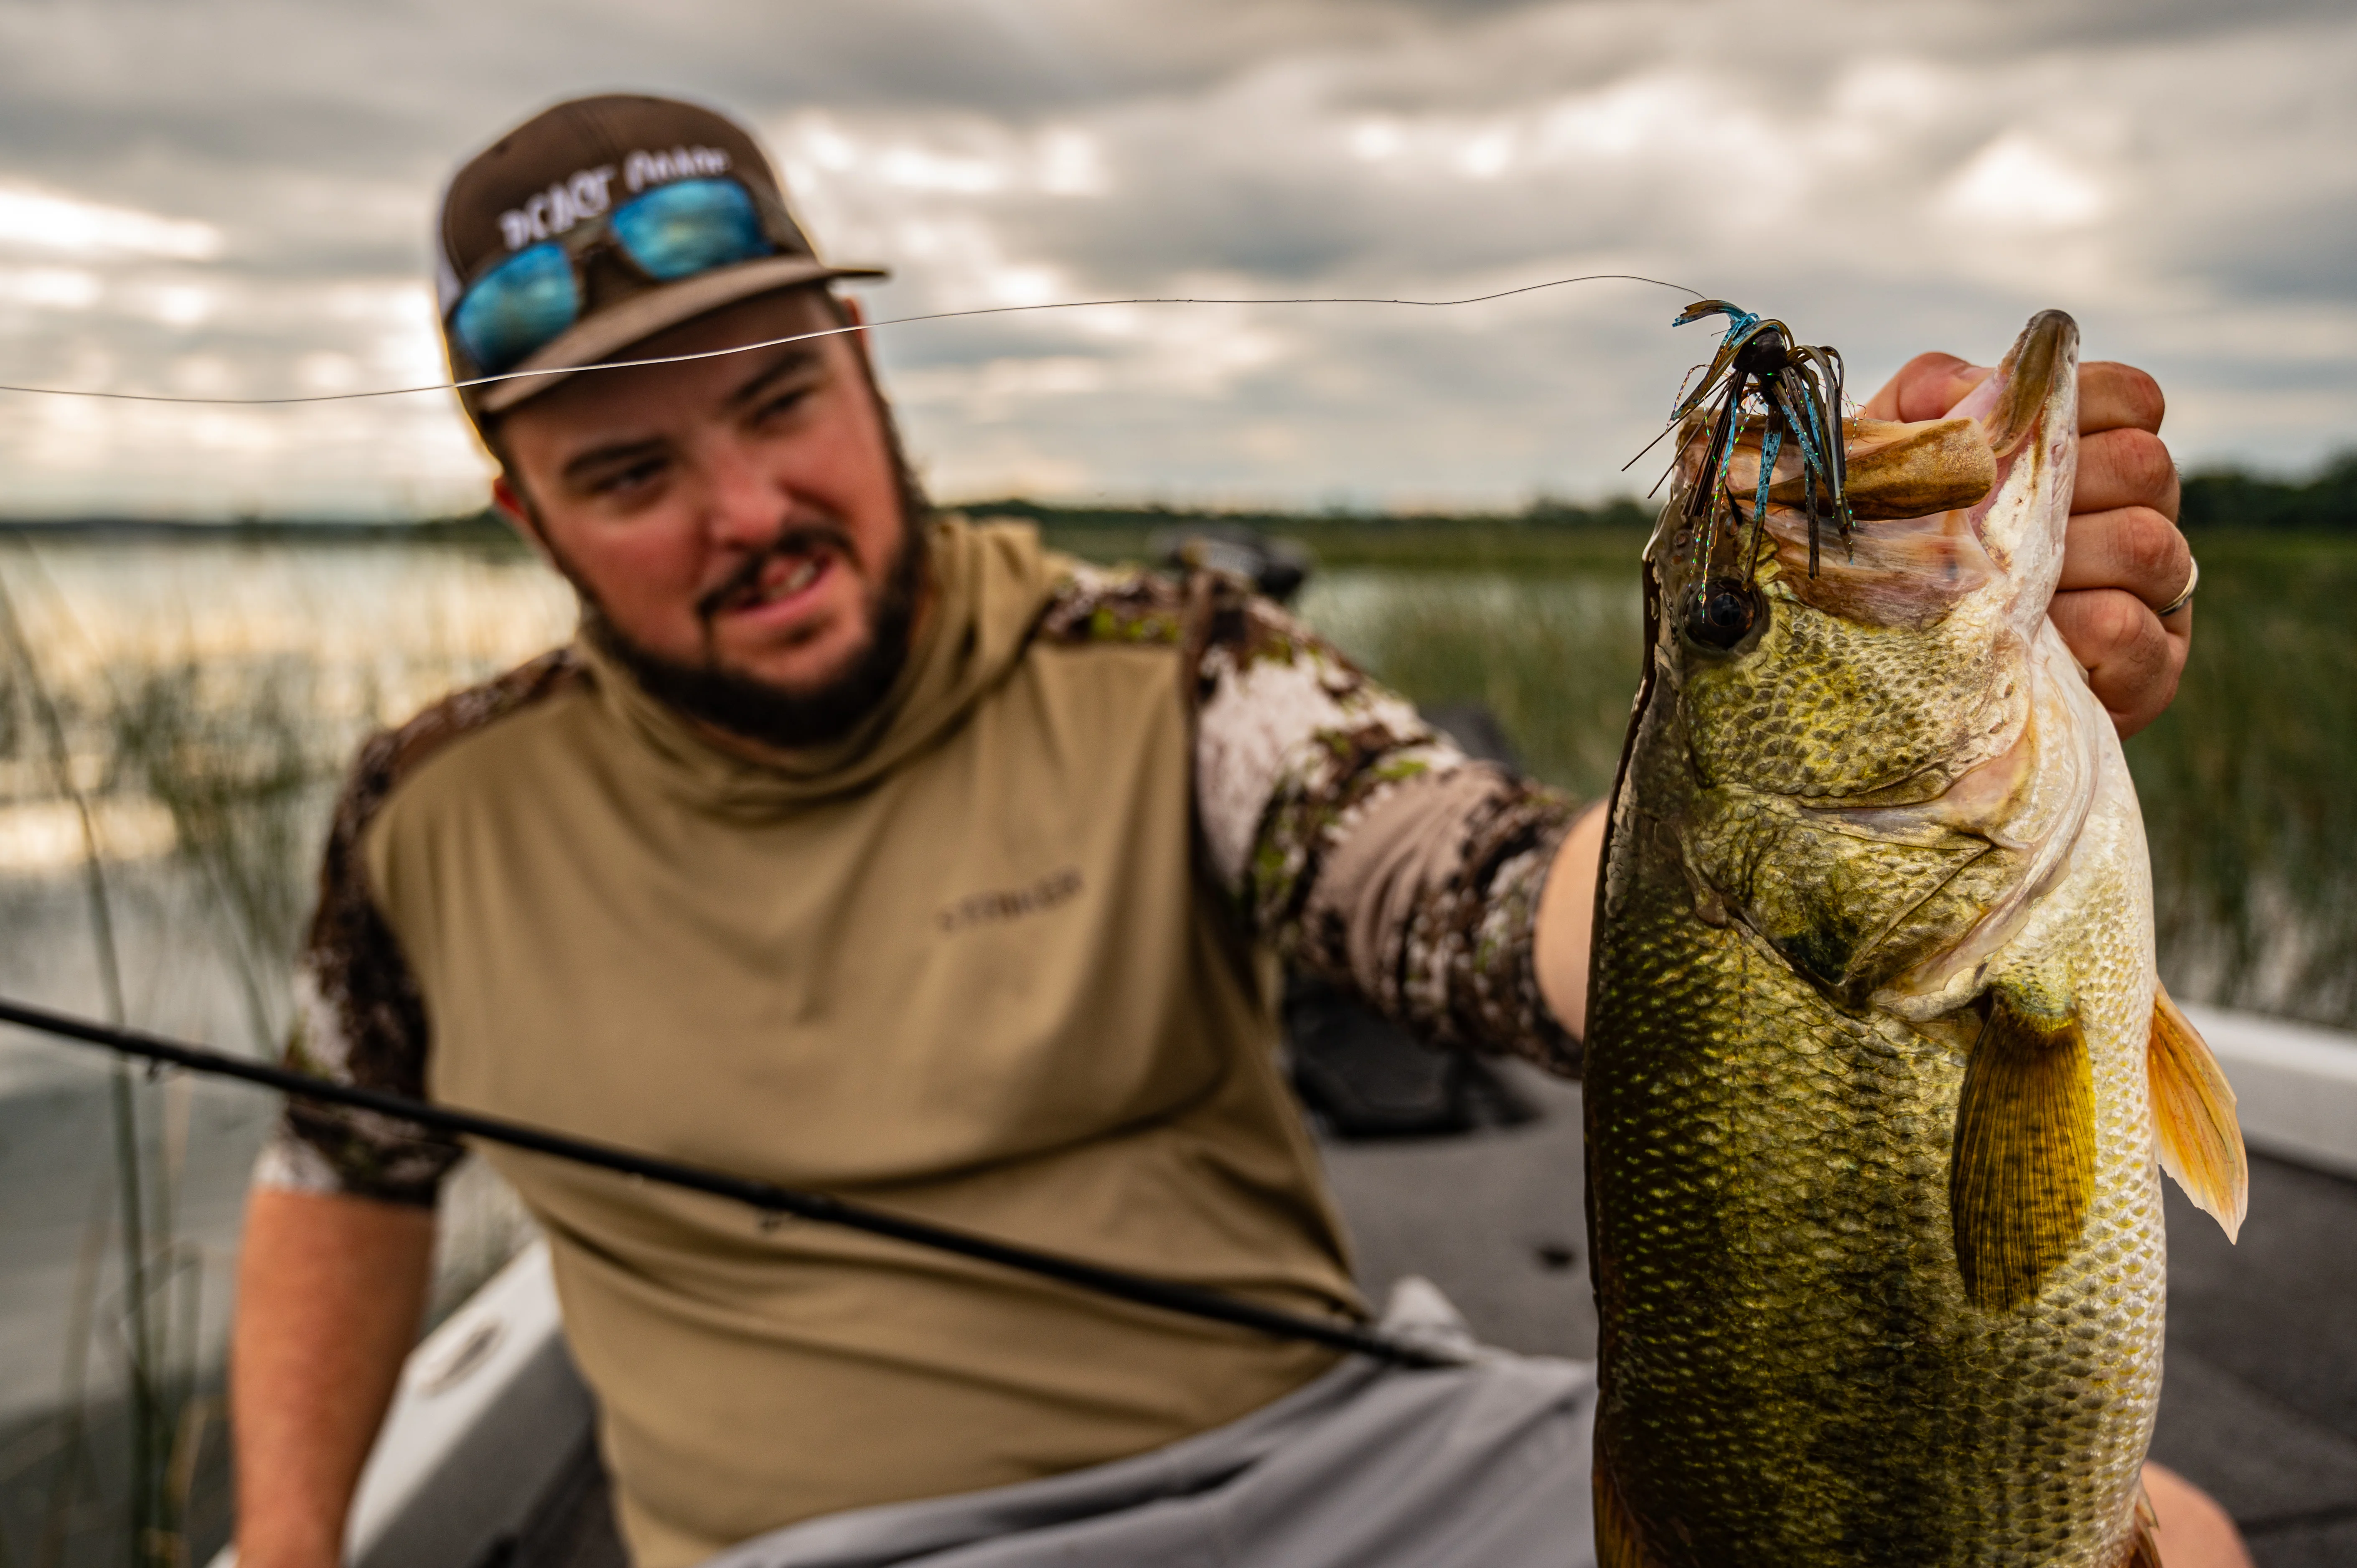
x: 2339, y: 463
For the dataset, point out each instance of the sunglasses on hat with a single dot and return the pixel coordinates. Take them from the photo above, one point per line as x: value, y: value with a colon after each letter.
x: 525, y: 301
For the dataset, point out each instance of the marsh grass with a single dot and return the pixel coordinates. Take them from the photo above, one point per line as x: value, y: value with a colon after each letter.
x: 1554, y: 657
x: 244, y: 766
x: 159, y: 1366
x: 237, y: 744
x: 2248, y: 783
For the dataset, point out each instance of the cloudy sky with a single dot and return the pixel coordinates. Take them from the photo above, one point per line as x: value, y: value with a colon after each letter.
x: 232, y: 199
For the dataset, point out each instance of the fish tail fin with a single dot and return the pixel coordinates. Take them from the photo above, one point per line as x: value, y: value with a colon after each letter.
x: 1618, y: 1543
x: 2022, y: 1176
x: 2194, y: 1123
x: 2144, y: 1533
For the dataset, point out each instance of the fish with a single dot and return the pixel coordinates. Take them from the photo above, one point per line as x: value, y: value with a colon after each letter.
x: 1879, y: 1077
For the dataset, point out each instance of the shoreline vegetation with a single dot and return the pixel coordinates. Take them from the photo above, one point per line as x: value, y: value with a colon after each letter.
x: 1530, y: 614
x: 2216, y: 500
x: 222, y: 746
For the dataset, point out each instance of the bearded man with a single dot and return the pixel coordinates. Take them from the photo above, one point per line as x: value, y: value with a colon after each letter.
x: 858, y: 848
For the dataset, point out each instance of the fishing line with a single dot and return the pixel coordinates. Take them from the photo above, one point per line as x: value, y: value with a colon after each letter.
x: 770, y: 1201
x: 767, y: 1198
x: 825, y: 332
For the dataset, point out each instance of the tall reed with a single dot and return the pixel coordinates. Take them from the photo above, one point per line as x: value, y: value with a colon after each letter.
x: 211, y: 720
x: 155, y: 1536
x: 236, y: 757
x: 2249, y: 784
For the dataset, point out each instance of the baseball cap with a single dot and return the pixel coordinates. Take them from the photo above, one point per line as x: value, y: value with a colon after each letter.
x: 579, y: 163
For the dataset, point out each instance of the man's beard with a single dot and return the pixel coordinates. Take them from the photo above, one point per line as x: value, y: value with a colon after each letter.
x: 754, y: 709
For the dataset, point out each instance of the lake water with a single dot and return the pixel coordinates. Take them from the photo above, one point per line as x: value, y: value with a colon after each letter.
x: 205, y: 694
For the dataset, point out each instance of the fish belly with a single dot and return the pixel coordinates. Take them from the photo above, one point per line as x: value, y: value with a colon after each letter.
x: 1792, y: 1374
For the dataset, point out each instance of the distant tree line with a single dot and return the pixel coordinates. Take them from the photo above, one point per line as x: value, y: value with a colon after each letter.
x: 2229, y: 497
x: 1624, y: 513
x: 2218, y: 497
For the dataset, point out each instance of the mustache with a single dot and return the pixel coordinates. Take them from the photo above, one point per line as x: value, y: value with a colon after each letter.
x: 793, y: 539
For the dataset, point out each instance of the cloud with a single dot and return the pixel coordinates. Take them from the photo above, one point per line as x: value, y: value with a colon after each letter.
x: 50, y: 288
x: 41, y: 221
x: 1887, y: 179
x: 2016, y: 182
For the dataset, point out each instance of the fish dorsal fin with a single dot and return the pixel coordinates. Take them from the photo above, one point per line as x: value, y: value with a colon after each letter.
x: 2193, y: 1123
x: 2023, y: 1174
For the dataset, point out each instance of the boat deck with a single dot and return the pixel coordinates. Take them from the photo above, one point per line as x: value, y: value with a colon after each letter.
x: 2260, y: 1404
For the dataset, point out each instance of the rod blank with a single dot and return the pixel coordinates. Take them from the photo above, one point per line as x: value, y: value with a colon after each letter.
x: 765, y: 1197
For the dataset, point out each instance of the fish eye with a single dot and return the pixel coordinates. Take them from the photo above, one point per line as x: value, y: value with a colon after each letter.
x: 1723, y: 613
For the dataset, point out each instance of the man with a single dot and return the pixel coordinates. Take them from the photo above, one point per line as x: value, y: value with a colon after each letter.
x: 862, y: 850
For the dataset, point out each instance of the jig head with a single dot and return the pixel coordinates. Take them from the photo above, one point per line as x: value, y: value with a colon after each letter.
x: 1793, y: 393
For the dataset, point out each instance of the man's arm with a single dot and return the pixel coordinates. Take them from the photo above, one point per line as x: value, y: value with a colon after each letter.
x: 1567, y: 920
x: 339, y: 1231
x: 1344, y: 830
x: 330, y: 1289
x: 2123, y: 561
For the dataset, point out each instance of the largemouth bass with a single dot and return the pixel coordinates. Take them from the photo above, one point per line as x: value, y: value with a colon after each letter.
x: 1878, y: 1069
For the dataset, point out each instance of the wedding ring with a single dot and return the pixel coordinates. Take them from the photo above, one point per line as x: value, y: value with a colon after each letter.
x: 2186, y: 598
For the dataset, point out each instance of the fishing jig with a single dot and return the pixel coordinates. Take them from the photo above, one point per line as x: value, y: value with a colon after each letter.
x: 1792, y: 392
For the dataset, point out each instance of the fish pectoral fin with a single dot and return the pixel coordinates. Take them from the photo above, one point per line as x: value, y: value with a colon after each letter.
x: 1619, y: 1543
x: 2023, y: 1172
x: 2144, y: 1533
x: 2193, y: 1122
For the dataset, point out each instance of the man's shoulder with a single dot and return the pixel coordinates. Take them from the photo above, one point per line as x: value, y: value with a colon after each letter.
x: 1115, y: 607
x: 393, y: 756
x: 1209, y: 616
x: 361, y: 1018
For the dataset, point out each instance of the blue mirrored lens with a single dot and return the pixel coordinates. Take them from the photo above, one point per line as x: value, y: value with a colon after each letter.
x: 689, y: 226
x: 517, y: 306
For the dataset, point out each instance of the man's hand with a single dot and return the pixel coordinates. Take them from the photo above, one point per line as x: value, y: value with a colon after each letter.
x: 2124, y: 559
x: 2194, y: 1531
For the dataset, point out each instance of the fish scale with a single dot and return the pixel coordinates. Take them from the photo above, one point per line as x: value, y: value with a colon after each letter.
x: 1788, y: 1000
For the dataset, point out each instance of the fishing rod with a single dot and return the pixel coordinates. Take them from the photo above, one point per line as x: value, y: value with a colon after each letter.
x: 767, y: 1198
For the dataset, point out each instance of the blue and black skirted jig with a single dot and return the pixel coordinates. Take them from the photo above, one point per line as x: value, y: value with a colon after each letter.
x: 1791, y: 393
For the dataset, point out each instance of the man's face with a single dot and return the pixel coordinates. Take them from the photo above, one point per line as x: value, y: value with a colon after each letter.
x: 737, y: 519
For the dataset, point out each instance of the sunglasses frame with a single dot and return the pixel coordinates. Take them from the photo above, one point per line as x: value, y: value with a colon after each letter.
x: 588, y: 239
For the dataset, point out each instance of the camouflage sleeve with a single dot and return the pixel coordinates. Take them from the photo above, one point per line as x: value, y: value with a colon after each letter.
x: 1364, y: 844
x: 359, y: 1019
x: 359, y: 1016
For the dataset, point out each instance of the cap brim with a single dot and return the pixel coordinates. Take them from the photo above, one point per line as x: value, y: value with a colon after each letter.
x: 600, y: 337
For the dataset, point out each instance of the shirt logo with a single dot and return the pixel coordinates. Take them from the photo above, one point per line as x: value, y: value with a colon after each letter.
x: 985, y: 908
x: 587, y: 193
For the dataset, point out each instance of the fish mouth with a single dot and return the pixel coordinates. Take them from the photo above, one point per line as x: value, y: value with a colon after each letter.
x: 1942, y: 508
x: 2043, y: 361
x: 2019, y: 428
x: 2027, y: 414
